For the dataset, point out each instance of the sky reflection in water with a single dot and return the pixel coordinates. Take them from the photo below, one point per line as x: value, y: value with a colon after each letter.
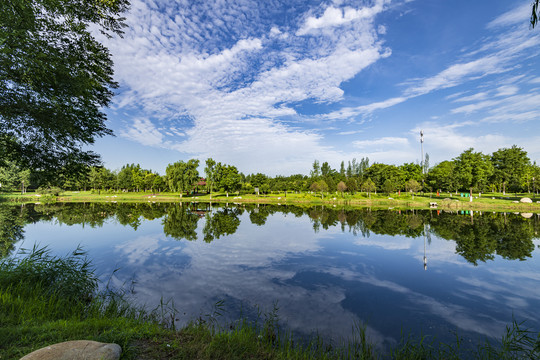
x: 325, y: 280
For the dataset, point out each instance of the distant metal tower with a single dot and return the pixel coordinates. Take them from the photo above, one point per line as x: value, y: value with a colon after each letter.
x: 422, y: 147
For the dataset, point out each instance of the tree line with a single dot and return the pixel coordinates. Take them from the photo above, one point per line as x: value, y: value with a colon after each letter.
x: 507, y: 169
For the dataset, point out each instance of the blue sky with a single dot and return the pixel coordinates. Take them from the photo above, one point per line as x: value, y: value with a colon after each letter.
x: 269, y: 86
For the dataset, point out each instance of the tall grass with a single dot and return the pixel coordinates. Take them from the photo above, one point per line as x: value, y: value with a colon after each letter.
x: 46, y: 299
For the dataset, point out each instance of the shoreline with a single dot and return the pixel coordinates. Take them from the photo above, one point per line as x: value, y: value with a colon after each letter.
x: 448, y: 202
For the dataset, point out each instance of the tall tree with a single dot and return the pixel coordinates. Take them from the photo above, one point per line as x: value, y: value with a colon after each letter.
x: 209, y: 170
x: 9, y: 176
x: 55, y: 79
x: 368, y: 186
x: 412, y: 171
x: 316, y: 172
x: 341, y: 187
x: 182, y: 176
x: 442, y: 177
x: 124, y: 180
x: 229, y: 178
x: 342, y: 169
x: 510, y: 166
x: 473, y: 170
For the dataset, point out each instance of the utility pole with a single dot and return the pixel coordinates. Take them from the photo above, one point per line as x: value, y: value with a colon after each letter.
x: 422, y: 147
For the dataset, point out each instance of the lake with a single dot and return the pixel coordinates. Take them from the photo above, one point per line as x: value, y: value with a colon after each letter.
x: 325, y: 269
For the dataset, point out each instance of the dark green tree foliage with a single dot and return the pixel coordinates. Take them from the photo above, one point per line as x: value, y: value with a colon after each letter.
x: 55, y: 79
x: 228, y: 178
x: 258, y: 180
x: 180, y: 223
x: 124, y: 179
x: 209, y: 171
x: 479, y: 238
x: 368, y: 186
x: 219, y: 223
x: 388, y: 186
x: 12, y: 221
x: 316, y: 172
x: 258, y: 215
x: 182, y: 176
x: 352, y: 185
x: 12, y: 177
x: 442, y: 177
x: 510, y: 166
x: 412, y: 171
x: 380, y: 173
x: 473, y: 170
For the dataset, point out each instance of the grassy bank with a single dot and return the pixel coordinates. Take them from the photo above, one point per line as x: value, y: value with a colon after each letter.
x: 446, y: 201
x: 46, y: 300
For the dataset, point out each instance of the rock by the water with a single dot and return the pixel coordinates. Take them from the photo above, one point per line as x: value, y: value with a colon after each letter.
x: 525, y: 200
x: 78, y: 349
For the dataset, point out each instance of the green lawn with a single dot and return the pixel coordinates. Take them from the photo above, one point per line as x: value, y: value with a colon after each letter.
x: 451, y: 201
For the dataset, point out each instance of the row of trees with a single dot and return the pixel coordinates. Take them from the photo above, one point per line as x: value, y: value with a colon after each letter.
x: 507, y: 169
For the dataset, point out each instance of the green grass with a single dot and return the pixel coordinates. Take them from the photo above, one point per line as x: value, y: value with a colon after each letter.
x: 46, y: 299
x: 447, y: 201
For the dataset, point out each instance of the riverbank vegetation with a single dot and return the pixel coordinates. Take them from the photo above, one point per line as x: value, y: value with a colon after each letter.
x: 507, y: 171
x: 46, y: 299
x: 450, y: 201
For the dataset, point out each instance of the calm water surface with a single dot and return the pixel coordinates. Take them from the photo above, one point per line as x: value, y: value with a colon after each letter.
x: 423, y: 272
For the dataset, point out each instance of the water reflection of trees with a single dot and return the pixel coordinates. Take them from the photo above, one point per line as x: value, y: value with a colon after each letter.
x: 222, y: 222
x: 478, y: 237
x: 180, y: 223
x: 12, y: 221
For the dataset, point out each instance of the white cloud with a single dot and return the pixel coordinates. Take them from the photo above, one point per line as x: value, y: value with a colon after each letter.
x: 225, y: 101
x: 144, y: 132
x: 474, y: 107
x: 351, y: 112
x: 497, y: 56
x: 458, y: 73
x: 512, y: 17
x: 475, y: 97
x: 507, y: 90
x: 385, y: 141
x: 335, y: 16
x: 353, y: 132
x: 445, y: 141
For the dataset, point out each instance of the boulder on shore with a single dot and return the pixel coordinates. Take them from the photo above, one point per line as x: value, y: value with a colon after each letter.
x: 78, y: 349
x: 525, y: 200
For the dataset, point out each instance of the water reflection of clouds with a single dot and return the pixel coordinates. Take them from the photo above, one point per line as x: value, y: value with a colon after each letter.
x: 243, y: 267
x: 438, y: 251
x: 516, y: 293
x: 459, y: 316
x: 138, y: 250
x: 259, y: 265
